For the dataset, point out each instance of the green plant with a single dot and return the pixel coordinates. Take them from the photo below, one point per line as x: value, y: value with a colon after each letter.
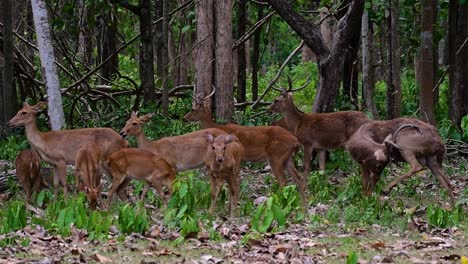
x: 133, y: 218
x: 14, y: 218
x: 352, y: 258
x: 439, y: 217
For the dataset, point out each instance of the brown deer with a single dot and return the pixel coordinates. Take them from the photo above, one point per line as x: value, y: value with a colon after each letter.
x: 184, y: 152
x: 223, y: 163
x: 88, y: 169
x: 273, y: 144
x: 317, y: 131
x: 28, y: 167
x: 142, y: 165
x: 59, y: 148
x: 403, y: 139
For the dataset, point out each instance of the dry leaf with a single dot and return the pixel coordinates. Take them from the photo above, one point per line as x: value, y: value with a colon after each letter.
x: 100, y: 258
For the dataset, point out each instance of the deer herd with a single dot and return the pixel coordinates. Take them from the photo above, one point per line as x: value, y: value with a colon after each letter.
x: 221, y: 148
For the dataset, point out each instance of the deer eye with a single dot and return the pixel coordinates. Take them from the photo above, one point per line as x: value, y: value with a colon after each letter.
x: 23, y: 113
x: 213, y: 148
x: 224, y: 147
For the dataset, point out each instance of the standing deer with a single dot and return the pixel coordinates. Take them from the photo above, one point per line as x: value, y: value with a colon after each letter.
x: 223, y: 163
x: 322, y: 132
x: 88, y: 169
x: 142, y: 165
x: 273, y: 144
x: 59, y: 148
x: 28, y: 168
x: 404, y: 139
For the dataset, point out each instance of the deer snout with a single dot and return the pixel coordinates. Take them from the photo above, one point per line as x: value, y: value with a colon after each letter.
x: 123, y: 134
x: 219, y: 159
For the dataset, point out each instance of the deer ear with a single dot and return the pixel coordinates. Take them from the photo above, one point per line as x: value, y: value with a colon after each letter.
x: 133, y: 114
x: 25, y: 104
x: 146, y: 117
x: 209, y: 137
x: 39, y: 106
x: 228, y: 139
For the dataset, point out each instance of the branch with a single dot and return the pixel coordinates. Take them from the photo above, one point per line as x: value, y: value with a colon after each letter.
x: 132, y: 8
x: 280, y: 70
x: 257, y: 26
x: 307, y: 30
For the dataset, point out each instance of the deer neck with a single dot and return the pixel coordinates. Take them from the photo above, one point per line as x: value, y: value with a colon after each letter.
x: 207, y: 120
x: 293, y: 117
x: 142, y: 141
x: 34, y: 136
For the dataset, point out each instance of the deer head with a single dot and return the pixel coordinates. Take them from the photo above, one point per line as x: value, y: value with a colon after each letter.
x: 200, y: 107
x: 218, y: 145
x: 93, y: 195
x: 134, y: 124
x: 281, y: 102
x: 27, y: 114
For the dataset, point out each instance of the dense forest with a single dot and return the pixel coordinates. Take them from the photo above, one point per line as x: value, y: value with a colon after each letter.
x: 316, y: 85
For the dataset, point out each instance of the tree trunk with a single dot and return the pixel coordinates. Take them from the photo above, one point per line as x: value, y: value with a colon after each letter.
x: 8, y: 95
x: 107, y: 44
x: 46, y: 53
x: 458, y: 61
x: 146, y: 53
x: 85, y: 41
x: 435, y: 56
x: 205, y: 49
x: 224, y: 66
x: 241, y: 58
x: 165, y: 72
x: 256, y: 56
x: 368, y: 77
x: 394, y: 61
x: 427, y: 63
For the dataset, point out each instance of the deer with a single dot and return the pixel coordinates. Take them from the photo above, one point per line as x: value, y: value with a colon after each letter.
x: 317, y: 131
x: 88, y: 169
x: 59, y: 148
x: 28, y: 168
x: 223, y: 163
x: 140, y: 164
x: 273, y: 144
x: 409, y: 140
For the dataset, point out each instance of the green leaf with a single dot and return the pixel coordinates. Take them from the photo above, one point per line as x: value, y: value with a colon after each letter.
x: 40, y: 198
x: 352, y: 258
x: 267, y: 221
x: 182, y: 211
x: 186, y: 28
x: 279, y: 215
x: 183, y: 190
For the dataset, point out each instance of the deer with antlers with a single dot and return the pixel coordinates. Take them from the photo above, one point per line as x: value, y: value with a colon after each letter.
x: 401, y: 139
x: 319, y: 131
x: 59, y: 148
x: 273, y: 144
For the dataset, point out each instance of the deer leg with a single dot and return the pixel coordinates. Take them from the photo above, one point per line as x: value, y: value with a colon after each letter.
x: 60, y: 176
x: 121, y: 190
x: 307, y: 159
x: 277, y: 168
x: 374, y: 177
x: 37, y: 181
x: 116, y: 182
x: 145, y: 190
x: 322, y: 158
x: 300, y: 181
x: 365, y: 179
x: 215, y: 190
x: 233, y: 187
x: 436, y: 169
x: 415, y: 168
x: 77, y: 181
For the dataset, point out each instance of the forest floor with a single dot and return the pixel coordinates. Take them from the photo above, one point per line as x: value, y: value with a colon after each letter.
x: 317, y: 238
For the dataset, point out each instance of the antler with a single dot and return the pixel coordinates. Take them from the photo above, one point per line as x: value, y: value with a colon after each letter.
x: 211, y: 94
x: 302, y: 87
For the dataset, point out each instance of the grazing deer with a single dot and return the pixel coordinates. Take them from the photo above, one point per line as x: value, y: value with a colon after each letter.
x: 28, y: 168
x: 142, y: 165
x: 223, y: 163
x: 59, y: 148
x: 322, y: 132
x: 88, y: 169
x: 273, y: 144
x: 404, y: 139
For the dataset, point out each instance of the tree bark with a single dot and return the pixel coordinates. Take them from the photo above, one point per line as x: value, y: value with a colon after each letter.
x: 8, y: 96
x: 205, y: 49
x: 330, y: 61
x: 85, y: 39
x: 224, y: 66
x: 146, y: 52
x: 427, y: 63
x: 394, y: 61
x: 241, y: 56
x: 368, y: 77
x: 165, y: 72
x: 46, y: 53
x: 108, y: 44
x: 256, y: 56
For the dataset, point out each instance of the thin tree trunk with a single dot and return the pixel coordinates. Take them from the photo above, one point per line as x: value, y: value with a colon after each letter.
x: 9, y: 90
x: 224, y: 66
x: 146, y: 53
x: 256, y: 56
x: 205, y: 49
x: 241, y: 56
x: 85, y: 43
x: 394, y: 61
x: 427, y: 63
x: 46, y: 53
x: 165, y: 72
x: 435, y: 52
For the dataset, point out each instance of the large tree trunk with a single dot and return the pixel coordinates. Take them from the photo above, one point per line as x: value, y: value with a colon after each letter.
x: 8, y: 96
x: 205, y: 49
x: 165, y: 72
x: 241, y: 56
x: 146, y: 53
x: 427, y: 63
x: 330, y: 61
x: 256, y: 56
x: 107, y: 44
x: 458, y: 61
x: 394, y: 61
x: 46, y: 53
x: 368, y: 77
x: 224, y: 66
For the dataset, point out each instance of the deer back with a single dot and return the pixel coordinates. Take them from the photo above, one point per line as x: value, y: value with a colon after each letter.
x: 28, y: 165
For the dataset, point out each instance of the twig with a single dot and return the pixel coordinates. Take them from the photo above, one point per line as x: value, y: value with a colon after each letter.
x: 278, y: 74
